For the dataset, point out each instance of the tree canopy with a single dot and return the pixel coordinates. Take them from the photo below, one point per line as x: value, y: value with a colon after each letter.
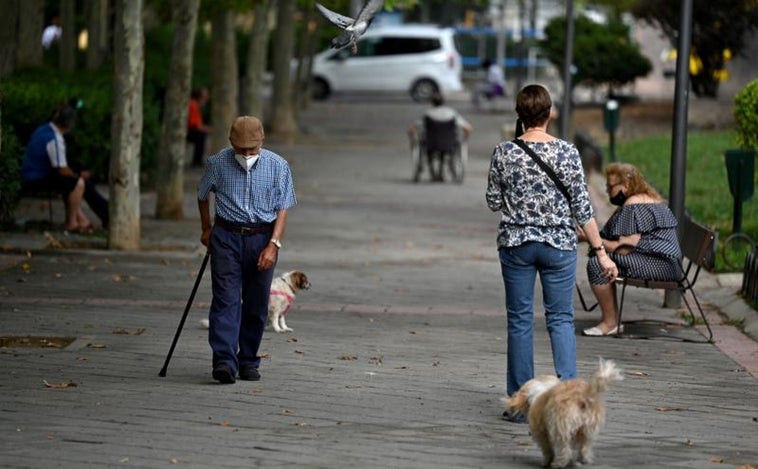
x: 719, y: 30
x: 604, y: 54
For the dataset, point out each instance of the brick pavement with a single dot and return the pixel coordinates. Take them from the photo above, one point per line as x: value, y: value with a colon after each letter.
x: 398, y: 354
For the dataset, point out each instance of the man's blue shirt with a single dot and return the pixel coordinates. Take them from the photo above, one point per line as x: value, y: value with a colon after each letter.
x: 37, y: 162
x: 248, y: 197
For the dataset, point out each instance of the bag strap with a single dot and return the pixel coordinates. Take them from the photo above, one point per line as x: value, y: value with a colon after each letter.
x: 561, y: 187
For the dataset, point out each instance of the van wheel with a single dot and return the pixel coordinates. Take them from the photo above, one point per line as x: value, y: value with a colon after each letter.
x: 319, y: 89
x: 422, y: 90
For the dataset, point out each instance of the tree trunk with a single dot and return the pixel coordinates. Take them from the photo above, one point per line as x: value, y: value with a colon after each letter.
x: 31, y: 22
x: 224, y: 75
x: 67, y: 44
x: 8, y: 30
x: 126, y: 127
x: 282, y: 112
x: 173, y: 146
x: 257, y: 52
x: 97, y: 37
x: 305, y: 53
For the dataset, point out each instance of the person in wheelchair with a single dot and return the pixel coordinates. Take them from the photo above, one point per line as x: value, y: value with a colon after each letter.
x: 439, y: 132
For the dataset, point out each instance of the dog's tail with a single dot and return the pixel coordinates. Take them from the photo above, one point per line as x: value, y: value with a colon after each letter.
x: 605, y: 374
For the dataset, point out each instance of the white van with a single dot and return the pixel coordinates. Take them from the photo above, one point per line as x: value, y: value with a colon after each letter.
x: 419, y: 59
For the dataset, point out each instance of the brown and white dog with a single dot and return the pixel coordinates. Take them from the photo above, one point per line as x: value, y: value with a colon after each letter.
x: 564, y: 416
x: 283, y: 291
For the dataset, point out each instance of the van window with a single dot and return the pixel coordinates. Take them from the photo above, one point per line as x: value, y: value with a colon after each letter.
x: 375, y: 46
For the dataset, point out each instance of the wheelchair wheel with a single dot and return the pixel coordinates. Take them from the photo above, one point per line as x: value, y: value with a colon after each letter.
x: 456, y: 166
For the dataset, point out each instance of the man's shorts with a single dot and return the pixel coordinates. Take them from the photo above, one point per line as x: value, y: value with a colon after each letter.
x: 58, y: 183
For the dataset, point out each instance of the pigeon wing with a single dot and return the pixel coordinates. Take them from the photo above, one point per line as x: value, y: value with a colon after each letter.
x: 336, y: 19
x: 369, y: 10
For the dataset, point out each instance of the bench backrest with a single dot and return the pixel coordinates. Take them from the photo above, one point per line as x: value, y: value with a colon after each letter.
x: 695, y: 241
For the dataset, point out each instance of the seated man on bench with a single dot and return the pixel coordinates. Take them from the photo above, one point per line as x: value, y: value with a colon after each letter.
x: 45, y: 167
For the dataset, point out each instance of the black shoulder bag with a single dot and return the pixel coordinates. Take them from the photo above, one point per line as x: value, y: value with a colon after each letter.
x: 548, y: 170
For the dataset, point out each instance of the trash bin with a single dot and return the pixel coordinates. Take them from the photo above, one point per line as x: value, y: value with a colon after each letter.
x: 740, y: 170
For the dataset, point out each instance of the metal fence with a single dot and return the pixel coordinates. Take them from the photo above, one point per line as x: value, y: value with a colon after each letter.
x: 750, y: 277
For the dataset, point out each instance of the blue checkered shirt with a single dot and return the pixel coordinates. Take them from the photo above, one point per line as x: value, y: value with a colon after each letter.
x: 248, y: 197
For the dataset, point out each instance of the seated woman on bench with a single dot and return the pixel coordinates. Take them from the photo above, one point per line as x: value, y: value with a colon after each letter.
x: 641, y: 237
x: 45, y: 167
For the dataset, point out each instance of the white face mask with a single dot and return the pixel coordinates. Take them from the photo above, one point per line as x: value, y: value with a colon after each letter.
x: 246, y: 162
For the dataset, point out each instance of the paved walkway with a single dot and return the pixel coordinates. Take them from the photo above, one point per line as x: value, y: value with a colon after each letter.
x: 398, y: 354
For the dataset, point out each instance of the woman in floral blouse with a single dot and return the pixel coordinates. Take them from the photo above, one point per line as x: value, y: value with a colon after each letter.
x: 537, y: 234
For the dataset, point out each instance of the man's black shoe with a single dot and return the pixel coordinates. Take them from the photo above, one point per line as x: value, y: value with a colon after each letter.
x: 223, y: 374
x: 248, y: 373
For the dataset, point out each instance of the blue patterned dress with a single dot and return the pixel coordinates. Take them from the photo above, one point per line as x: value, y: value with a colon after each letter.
x: 657, y: 256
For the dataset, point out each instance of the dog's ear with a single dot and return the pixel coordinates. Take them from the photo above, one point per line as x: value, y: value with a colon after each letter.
x: 301, y: 280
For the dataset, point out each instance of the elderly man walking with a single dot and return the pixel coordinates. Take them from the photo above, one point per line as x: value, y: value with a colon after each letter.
x: 253, y: 190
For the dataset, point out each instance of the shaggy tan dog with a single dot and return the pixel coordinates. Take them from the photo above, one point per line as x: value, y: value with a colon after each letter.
x: 565, y: 416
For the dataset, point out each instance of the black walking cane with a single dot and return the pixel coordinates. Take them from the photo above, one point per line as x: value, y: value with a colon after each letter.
x: 186, y: 311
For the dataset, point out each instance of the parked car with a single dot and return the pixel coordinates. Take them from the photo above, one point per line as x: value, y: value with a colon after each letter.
x: 419, y: 59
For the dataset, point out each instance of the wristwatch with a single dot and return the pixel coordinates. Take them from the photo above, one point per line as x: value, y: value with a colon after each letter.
x: 276, y: 242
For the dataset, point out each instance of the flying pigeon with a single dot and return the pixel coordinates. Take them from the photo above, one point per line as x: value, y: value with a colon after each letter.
x: 353, y: 28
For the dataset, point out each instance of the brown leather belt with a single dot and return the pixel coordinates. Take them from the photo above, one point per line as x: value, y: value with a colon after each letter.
x: 243, y: 229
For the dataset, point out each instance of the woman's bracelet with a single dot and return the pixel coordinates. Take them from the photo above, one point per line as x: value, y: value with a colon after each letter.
x: 599, y: 248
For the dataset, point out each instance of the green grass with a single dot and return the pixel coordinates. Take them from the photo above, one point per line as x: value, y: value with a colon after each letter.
x: 707, y: 197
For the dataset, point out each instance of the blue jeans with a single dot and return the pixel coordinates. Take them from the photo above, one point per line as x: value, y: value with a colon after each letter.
x: 557, y: 270
x: 239, y: 308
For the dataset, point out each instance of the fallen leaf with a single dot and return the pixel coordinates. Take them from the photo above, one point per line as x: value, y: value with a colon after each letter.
x: 288, y: 412
x: 716, y: 459
x: 746, y: 466
x: 264, y: 355
x: 26, y: 267
x: 376, y: 360
x: 292, y: 339
x: 123, y: 460
x: 638, y: 373
x: 58, y: 275
x: 137, y: 331
x: 52, y: 240
x: 224, y: 423
x: 64, y: 384
x: 348, y: 357
x: 91, y: 345
x: 299, y: 424
x: 668, y: 409
x: 300, y: 352
x: 173, y: 461
x: 121, y: 278
x: 690, y: 443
